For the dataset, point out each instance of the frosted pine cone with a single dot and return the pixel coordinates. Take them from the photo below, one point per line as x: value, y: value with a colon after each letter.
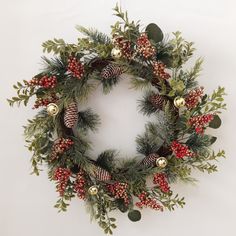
x: 71, y: 115
x: 157, y: 101
x: 150, y: 160
x: 101, y: 174
x: 111, y: 71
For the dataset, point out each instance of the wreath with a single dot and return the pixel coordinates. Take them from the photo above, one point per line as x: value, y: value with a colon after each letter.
x: 172, y: 145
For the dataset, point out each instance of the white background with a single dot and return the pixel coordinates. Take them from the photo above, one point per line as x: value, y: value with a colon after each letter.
x: 26, y: 202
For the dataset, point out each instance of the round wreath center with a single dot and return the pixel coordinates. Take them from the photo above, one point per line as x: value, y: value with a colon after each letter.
x: 120, y: 119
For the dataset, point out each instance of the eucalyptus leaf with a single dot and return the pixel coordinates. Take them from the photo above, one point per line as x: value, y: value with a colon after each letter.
x: 134, y: 215
x: 215, y: 123
x: 213, y: 139
x: 154, y: 33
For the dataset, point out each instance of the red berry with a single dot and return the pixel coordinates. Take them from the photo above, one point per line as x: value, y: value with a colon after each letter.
x: 194, y: 97
x: 119, y: 191
x: 181, y: 150
x: 201, y: 121
x: 147, y: 201
x: 75, y: 67
x: 161, y: 180
x: 159, y: 70
x: 62, y: 176
x: 144, y: 46
x: 79, y: 186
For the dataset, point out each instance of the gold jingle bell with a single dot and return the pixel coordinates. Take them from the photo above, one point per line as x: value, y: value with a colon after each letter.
x: 93, y: 190
x: 116, y: 53
x: 161, y: 162
x: 179, y: 102
x: 52, y: 109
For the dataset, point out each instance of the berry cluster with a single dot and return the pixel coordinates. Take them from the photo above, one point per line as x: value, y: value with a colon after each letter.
x: 201, y: 121
x: 146, y: 201
x: 144, y: 46
x: 62, y: 175
x: 159, y: 70
x: 60, y: 146
x: 75, y: 67
x: 161, y: 181
x: 44, y: 82
x: 79, y: 186
x: 194, y: 97
x: 124, y: 45
x: 43, y: 102
x: 181, y: 150
x: 119, y: 191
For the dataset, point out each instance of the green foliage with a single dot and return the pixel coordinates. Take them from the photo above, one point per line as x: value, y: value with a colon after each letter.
x: 182, y: 50
x: 125, y: 27
x: 215, y: 102
x: 24, y: 92
x: 108, y: 85
x: 94, y: 35
x: 177, y: 88
x: 58, y: 46
x: 99, y: 207
x: 88, y: 120
x: 145, y: 106
x: 106, y: 159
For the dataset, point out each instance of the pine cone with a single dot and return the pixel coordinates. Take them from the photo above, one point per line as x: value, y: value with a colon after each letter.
x: 111, y: 71
x: 71, y: 115
x: 150, y: 160
x: 101, y: 174
x: 157, y: 101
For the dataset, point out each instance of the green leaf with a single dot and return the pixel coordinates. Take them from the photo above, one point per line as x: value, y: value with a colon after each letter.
x: 121, y: 206
x: 154, y: 33
x: 215, y: 123
x: 213, y: 139
x: 134, y: 215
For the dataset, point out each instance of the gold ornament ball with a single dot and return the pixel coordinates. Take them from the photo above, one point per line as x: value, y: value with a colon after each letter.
x: 52, y: 109
x: 161, y: 162
x: 93, y: 190
x: 116, y: 53
x: 179, y: 102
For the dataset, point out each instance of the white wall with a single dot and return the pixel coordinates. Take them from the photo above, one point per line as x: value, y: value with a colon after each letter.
x: 26, y: 202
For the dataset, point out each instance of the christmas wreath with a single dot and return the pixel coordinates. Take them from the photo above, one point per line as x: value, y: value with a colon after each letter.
x: 171, y: 146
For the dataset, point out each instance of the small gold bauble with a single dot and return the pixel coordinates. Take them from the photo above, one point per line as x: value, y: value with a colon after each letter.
x: 52, y: 109
x: 179, y: 102
x: 161, y: 162
x: 93, y: 190
x: 116, y: 53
